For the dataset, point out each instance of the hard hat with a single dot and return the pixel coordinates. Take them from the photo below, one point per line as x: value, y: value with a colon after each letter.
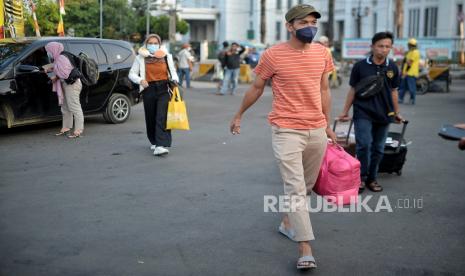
x: 412, y: 41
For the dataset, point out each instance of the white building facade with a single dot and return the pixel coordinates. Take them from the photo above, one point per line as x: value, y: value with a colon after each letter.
x: 239, y: 20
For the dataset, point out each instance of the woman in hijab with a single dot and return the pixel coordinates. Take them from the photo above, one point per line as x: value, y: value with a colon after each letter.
x: 153, y: 68
x: 68, y: 92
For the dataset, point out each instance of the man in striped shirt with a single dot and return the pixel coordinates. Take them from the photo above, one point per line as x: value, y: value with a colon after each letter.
x: 300, y: 117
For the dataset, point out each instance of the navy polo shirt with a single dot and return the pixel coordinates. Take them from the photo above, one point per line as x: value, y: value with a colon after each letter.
x: 376, y: 108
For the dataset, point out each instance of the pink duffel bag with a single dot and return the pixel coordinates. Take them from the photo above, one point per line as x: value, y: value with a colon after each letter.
x: 339, y: 177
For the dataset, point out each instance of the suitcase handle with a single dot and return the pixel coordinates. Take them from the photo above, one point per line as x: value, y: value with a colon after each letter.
x: 348, y: 132
x: 402, y: 134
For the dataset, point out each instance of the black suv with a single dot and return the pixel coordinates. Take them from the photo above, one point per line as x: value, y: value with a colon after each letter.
x: 26, y: 95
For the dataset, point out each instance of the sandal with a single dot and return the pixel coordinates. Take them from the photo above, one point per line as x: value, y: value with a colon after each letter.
x: 75, y: 135
x: 289, y: 233
x: 62, y: 133
x: 306, y: 262
x: 374, y: 187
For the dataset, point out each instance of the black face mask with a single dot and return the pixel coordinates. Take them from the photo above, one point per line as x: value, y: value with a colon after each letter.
x: 306, y: 34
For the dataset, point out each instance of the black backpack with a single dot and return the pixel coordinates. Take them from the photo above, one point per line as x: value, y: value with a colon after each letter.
x: 85, y: 69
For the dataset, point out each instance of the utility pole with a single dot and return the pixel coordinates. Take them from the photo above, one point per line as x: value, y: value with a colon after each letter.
x: 263, y: 21
x: 330, y: 31
x: 460, y: 19
x: 172, y: 25
x: 359, y: 20
x: 147, y: 22
x: 399, y: 18
x: 101, y: 18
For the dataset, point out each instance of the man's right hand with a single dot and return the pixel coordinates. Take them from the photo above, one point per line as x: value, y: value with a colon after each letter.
x: 144, y: 83
x: 344, y: 117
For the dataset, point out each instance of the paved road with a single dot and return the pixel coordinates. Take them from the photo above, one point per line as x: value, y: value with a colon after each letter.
x: 104, y: 205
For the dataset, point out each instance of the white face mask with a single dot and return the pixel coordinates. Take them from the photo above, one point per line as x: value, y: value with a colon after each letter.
x: 152, y: 48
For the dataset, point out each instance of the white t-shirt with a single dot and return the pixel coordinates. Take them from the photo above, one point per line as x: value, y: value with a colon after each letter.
x: 184, y: 57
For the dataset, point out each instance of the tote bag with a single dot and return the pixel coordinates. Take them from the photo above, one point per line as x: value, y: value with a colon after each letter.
x: 177, y: 113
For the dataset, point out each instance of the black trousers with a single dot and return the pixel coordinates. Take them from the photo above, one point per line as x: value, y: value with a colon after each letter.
x: 156, y: 98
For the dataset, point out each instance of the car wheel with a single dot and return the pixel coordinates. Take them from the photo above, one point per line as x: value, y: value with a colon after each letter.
x: 422, y: 86
x: 118, y: 109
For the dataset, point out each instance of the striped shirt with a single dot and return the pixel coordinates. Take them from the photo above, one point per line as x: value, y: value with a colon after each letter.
x: 296, y: 83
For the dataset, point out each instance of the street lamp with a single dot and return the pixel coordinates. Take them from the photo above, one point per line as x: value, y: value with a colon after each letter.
x: 358, y: 13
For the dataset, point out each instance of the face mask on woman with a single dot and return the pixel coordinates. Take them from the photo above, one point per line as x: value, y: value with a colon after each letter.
x: 152, y: 48
x: 306, y: 34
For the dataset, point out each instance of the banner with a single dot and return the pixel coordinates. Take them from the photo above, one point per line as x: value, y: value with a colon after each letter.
x: 61, y: 26
x: 358, y: 48
x: 13, y: 19
x: 2, y: 33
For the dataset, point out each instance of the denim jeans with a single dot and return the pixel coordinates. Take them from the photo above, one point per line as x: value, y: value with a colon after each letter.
x: 408, y: 83
x: 230, y: 76
x: 184, y: 72
x: 370, y: 139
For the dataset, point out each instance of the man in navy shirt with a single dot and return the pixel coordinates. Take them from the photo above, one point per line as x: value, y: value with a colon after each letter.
x: 373, y: 115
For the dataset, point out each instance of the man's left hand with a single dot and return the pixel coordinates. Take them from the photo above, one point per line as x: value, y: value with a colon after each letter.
x: 398, y: 119
x: 331, y: 135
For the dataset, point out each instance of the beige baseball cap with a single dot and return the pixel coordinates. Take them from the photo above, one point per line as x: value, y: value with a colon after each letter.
x: 301, y: 11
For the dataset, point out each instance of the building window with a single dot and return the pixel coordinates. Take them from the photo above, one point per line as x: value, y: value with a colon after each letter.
x: 251, y: 7
x: 460, y: 15
x: 375, y: 22
x: 301, y: 2
x: 414, y: 22
x: 431, y: 21
x: 278, y: 30
x: 278, y: 5
x: 289, y: 4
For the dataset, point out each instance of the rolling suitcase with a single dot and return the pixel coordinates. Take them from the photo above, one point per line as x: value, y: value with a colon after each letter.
x: 345, y: 137
x: 395, y: 152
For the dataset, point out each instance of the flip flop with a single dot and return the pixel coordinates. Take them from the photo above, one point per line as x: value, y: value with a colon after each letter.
x: 308, y: 259
x: 289, y: 233
x: 75, y: 136
x: 62, y: 133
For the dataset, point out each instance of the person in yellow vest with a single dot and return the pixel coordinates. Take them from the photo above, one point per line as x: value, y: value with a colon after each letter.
x: 410, y: 71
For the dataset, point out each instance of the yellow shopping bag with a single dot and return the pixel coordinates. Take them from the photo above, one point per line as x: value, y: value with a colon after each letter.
x: 177, y: 114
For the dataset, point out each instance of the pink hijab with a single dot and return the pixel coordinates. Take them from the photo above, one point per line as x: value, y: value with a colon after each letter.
x: 61, y: 67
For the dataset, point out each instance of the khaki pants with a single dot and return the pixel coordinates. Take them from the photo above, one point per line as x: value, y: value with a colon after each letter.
x: 299, y: 154
x: 71, y: 107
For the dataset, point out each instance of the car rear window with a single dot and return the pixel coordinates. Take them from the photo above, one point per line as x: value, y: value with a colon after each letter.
x: 116, y: 53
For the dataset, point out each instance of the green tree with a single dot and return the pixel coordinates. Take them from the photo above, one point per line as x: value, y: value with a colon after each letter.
x: 160, y: 25
x: 47, y: 17
x: 120, y: 19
